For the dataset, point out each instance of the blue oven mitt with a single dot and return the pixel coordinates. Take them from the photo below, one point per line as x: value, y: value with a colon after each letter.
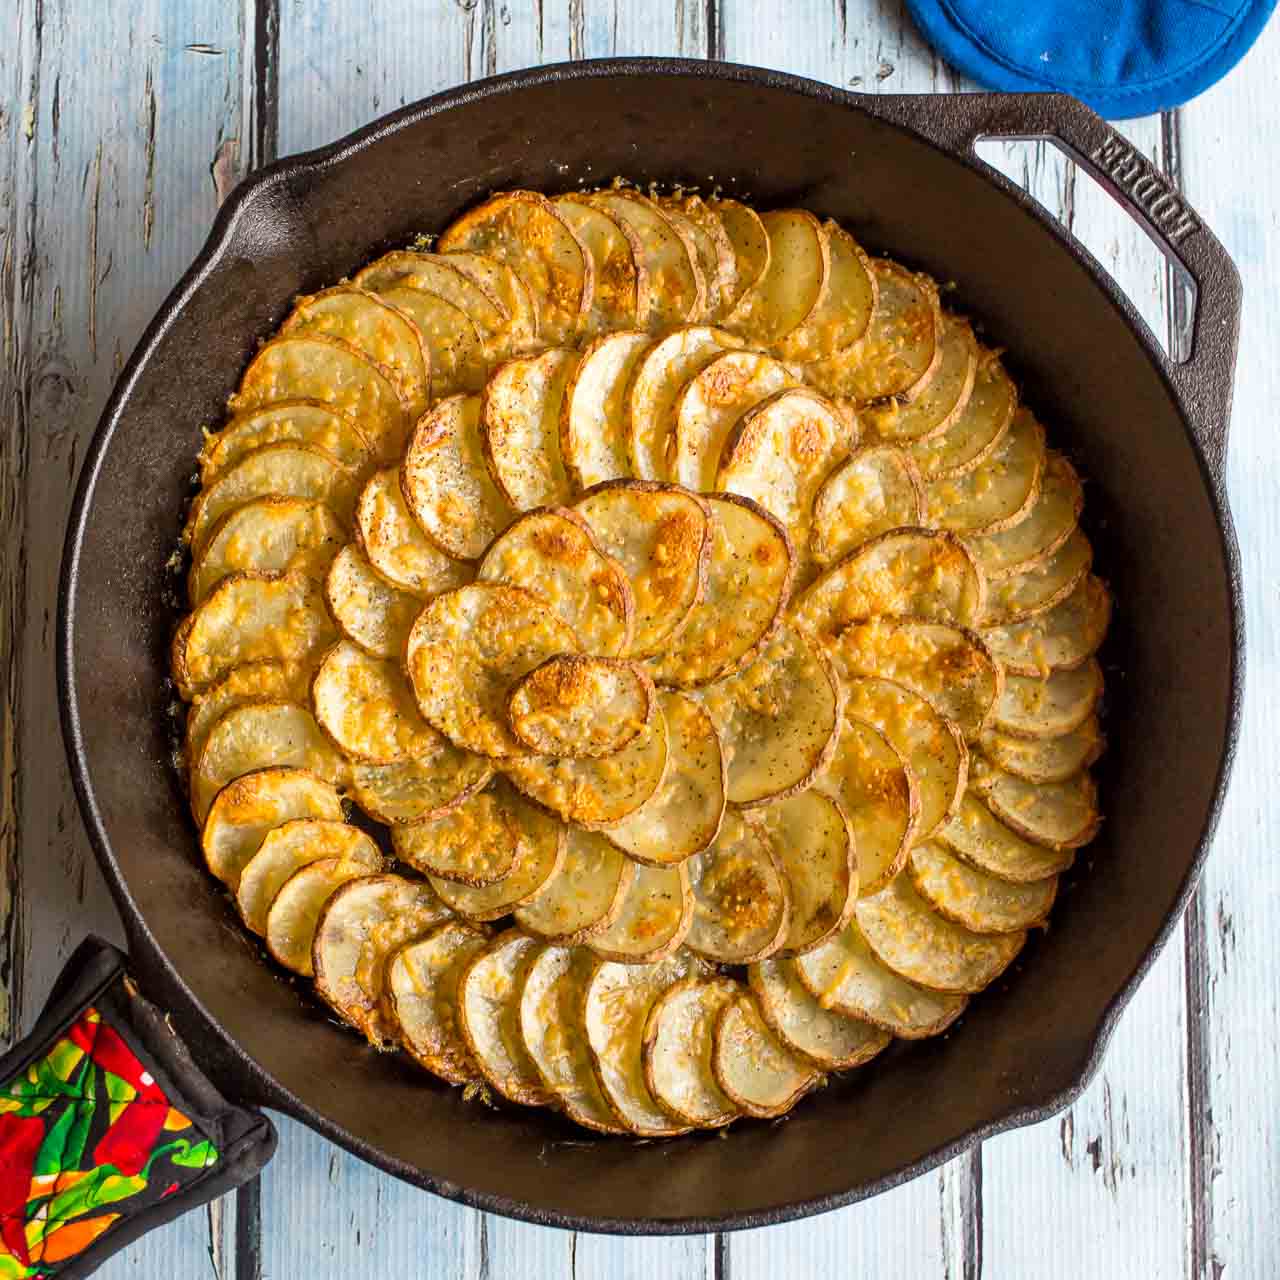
x: 1122, y: 57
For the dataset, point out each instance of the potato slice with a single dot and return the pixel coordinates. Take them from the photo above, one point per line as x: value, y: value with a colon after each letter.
x: 475, y: 843
x: 711, y: 402
x: 419, y: 790
x: 520, y: 427
x: 661, y: 537
x: 1066, y: 636
x: 621, y: 297
x: 254, y: 805
x: 932, y: 745
x: 366, y: 707
x: 372, y: 615
x: 446, y: 484
x: 742, y: 904
x: 586, y: 897
x: 552, y: 554
x: 593, y: 423
x: 1037, y: 589
x: 683, y: 815
x: 507, y: 289
x: 290, y: 847
x: 973, y: 899
x: 875, y: 489
x: 264, y: 681
x: 780, y: 452
x: 949, y: 667
x: 812, y: 842
x: 659, y: 377
x: 489, y: 992
x: 307, y: 422
x: 618, y: 1001
x: 754, y: 1069
x: 1056, y: 815
x: 527, y: 232
x: 655, y: 917
x: 1049, y: 523
x: 877, y: 789
x: 443, y: 276
x: 295, y: 910
x: 678, y: 1044
x: 449, y: 334
x: 1045, y: 707
x: 575, y: 705
x: 845, y: 312
x: 977, y: 836
x: 314, y: 367
x: 977, y: 430
x: 421, y: 998
x: 749, y: 241
x: 778, y: 719
x: 396, y: 547
x: 465, y: 651
x: 716, y: 255
x: 920, y: 573
x: 938, y: 406
x: 749, y: 577
x: 831, y: 1040
x: 845, y: 977
x: 794, y: 286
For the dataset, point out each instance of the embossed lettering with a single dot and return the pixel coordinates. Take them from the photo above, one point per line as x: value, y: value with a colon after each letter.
x: 1148, y: 188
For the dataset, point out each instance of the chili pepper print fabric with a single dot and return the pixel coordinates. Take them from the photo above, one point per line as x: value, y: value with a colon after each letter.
x: 87, y: 1137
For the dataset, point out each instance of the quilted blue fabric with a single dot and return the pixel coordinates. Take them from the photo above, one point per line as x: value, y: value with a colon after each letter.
x: 1122, y: 57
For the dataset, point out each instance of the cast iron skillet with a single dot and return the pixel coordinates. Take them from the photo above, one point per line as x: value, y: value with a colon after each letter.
x: 1148, y: 434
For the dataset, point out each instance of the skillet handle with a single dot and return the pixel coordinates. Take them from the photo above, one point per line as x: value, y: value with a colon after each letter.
x: 1203, y: 383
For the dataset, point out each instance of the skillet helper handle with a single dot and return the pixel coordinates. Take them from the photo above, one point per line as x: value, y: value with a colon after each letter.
x: 107, y: 1126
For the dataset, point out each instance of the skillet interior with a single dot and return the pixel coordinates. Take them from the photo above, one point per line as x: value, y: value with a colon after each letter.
x: 1026, y: 1045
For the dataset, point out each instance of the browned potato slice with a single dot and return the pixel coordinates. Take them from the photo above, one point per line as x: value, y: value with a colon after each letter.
x: 265, y: 681
x: 508, y: 290
x: 742, y: 905
x: 574, y: 705
x: 1039, y: 588
x: 934, y: 410
x: 314, y: 367
x: 845, y: 976
x: 306, y: 422
x: 976, y: 431
x: 295, y: 911
x: 250, y: 807
x: 621, y: 298
x: 1044, y: 706
x: 750, y: 243
x: 793, y: 287
x: 396, y: 547
x: 421, y: 998
x: 586, y: 897
x: 476, y: 842
x: 419, y: 790
x: 449, y: 334
x: 520, y: 427
x: 749, y: 577
x: 552, y: 554
x: 778, y: 719
x: 446, y: 483
x: 982, y: 840
x: 973, y: 899
x: 525, y: 231
x: 593, y: 423
x: 753, y: 1068
x: 711, y: 403
x: 1066, y: 636
x: 875, y: 489
x: 844, y: 314
x: 655, y: 917
x: 1057, y: 815
x: 1048, y: 524
x: 832, y: 1040
x: 716, y: 255
x: 659, y: 377
x: 372, y: 615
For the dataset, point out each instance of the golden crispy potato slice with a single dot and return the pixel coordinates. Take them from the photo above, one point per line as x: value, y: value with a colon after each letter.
x: 749, y: 241
x: 749, y: 575
x: 659, y: 377
x: 973, y: 899
x: 846, y: 977
x: 443, y: 276
x: 396, y: 547
x: 295, y: 910
x: 421, y: 998
x: 489, y: 991
x: 419, y: 790
x: 619, y: 998
x: 712, y: 401
x: 742, y: 904
x: 315, y: 367
x: 932, y: 745
x: 1066, y: 636
x: 372, y: 615
x: 245, y: 811
x: 977, y: 430
x: 977, y: 836
x: 261, y: 735
x: 1044, y: 706
x: 661, y: 536
x: 844, y: 314
x: 264, y: 681
x: 476, y: 842
x: 1057, y: 815
x: 833, y: 1041
x: 934, y: 410
x: 778, y: 719
x: 1049, y: 523
x: 754, y: 1069
x: 290, y: 847
x: 527, y: 232
x: 507, y: 289
x: 947, y: 666
x: 793, y: 288
x: 678, y: 1044
x: 655, y: 917
x: 574, y: 705
x: 586, y: 897
x: 520, y: 427
x: 918, y: 944
x: 715, y: 250
x: 621, y: 298
x: 552, y: 554
x: 1037, y: 589
x: 875, y: 489
x: 593, y: 422
x: 456, y: 349
x: 446, y: 483
x: 306, y: 422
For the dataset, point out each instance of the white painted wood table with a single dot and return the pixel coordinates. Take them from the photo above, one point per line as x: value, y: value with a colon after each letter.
x: 122, y: 123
